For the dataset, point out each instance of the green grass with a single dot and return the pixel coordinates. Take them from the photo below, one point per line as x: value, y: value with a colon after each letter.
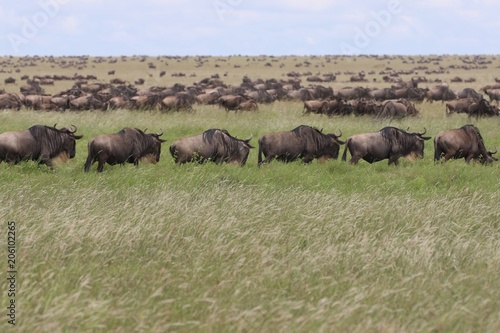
x: 283, y: 248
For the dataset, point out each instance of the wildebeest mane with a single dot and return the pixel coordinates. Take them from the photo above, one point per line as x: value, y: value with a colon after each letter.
x: 474, y: 134
x: 299, y: 129
x: 472, y: 131
x: 226, y: 140
x: 137, y: 138
x: 395, y: 136
x: 312, y: 135
x: 47, y: 137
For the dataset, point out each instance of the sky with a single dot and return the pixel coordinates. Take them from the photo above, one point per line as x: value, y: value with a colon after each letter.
x: 248, y: 27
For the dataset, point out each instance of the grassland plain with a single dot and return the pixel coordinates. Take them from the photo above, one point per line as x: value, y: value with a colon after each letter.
x: 282, y: 248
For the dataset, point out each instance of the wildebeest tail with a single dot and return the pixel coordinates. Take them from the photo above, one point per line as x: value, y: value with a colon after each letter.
x: 90, y: 158
x: 259, y: 157
x: 344, y: 155
x: 437, y: 151
x: 173, y: 151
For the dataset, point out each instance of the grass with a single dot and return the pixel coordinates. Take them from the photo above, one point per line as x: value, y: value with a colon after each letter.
x: 283, y: 248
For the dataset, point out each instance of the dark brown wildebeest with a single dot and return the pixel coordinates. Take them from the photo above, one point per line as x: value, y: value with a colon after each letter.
x: 214, y: 145
x: 127, y: 146
x: 303, y: 142
x: 459, y: 105
x: 38, y: 143
x: 464, y: 142
x: 9, y: 80
x: 390, y: 142
x: 469, y: 93
x: 483, y: 108
x: 231, y: 102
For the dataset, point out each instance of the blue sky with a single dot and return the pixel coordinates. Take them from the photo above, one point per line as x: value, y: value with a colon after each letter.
x: 248, y: 27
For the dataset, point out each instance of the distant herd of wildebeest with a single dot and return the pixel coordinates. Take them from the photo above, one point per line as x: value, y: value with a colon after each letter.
x: 130, y: 145
x: 396, y: 101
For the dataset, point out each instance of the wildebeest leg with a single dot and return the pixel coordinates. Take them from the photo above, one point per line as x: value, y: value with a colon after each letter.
x: 355, y: 159
x: 100, y: 164
x: 308, y: 159
x: 469, y: 158
x: 394, y: 159
x: 268, y: 159
x: 88, y: 163
x: 47, y: 161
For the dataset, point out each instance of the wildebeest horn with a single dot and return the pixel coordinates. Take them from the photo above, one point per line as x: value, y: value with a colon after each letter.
x: 55, y: 125
x: 250, y: 138
x: 160, y: 134
x: 145, y: 130
x: 338, y: 136
x: 494, y: 152
x: 72, y: 129
x: 425, y: 131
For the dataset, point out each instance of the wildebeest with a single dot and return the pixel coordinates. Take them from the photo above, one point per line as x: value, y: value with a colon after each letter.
x: 38, y: 143
x: 493, y: 94
x: 464, y: 142
x: 215, y: 145
x: 483, y: 108
x: 440, y: 93
x: 231, y: 102
x: 315, y: 106
x: 459, y: 105
x: 249, y: 105
x: 127, y: 146
x: 303, y: 142
x: 397, y: 109
x: 388, y: 143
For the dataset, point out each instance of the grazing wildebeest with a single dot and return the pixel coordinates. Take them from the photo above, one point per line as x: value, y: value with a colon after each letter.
x: 459, y: 105
x: 390, y: 142
x: 483, y: 108
x: 38, y: 143
x: 397, y: 109
x: 304, y: 142
x: 214, y: 145
x: 127, y: 146
x: 464, y: 142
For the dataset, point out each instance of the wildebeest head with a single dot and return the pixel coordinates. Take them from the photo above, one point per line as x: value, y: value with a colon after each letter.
x: 155, y: 148
x: 418, y: 145
x: 332, y: 150
x: 405, y: 143
x: 60, y: 140
x: 240, y: 154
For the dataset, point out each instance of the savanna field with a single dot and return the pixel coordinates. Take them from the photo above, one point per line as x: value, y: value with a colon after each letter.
x: 324, y: 247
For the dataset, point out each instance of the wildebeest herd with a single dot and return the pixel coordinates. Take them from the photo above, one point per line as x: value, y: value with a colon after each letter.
x: 396, y: 101
x: 44, y: 143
